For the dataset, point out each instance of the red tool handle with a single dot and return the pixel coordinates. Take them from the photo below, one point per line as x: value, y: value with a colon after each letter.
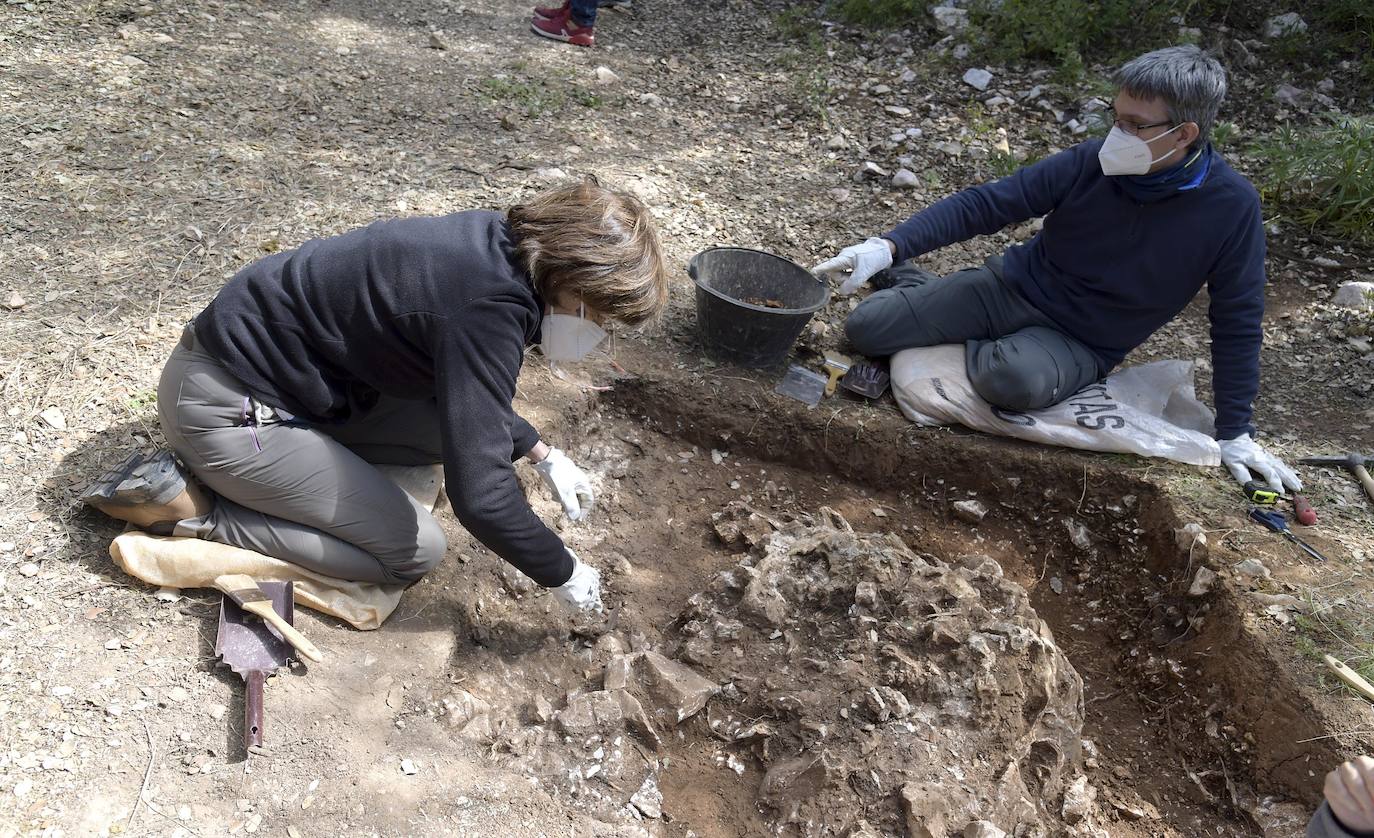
x: 252, y: 709
x: 1303, y: 512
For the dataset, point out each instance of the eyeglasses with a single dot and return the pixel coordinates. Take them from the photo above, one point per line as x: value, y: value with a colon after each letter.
x: 1134, y: 128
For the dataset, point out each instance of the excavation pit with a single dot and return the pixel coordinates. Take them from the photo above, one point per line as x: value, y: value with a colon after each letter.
x: 817, y: 646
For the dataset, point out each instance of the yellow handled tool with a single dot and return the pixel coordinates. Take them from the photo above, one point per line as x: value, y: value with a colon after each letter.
x: 247, y: 595
x: 1350, y: 677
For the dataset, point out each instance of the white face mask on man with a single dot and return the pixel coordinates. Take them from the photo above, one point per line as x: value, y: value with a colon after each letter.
x: 1127, y: 154
x: 568, y: 337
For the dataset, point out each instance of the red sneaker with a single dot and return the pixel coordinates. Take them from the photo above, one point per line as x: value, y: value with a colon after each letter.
x: 565, y: 30
x: 552, y: 12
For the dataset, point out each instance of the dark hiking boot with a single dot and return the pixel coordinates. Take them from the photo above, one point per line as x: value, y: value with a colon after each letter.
x: 152, y: 493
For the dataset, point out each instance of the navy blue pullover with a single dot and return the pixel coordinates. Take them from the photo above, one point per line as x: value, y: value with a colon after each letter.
x: 416, y: 308
x: 1110, y: 270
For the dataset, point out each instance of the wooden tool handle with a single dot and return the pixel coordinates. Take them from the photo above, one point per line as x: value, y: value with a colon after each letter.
x: 1350, y: 677
x: 1362, y: 474
x: 252, y: 710
x: 288, y: 632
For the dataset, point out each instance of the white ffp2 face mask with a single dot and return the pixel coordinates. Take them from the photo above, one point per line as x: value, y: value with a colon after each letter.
x: 569, y: 338
x: 1126, y: 154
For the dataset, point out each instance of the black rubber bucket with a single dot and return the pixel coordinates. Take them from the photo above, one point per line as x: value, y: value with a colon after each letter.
x: 752, y: 305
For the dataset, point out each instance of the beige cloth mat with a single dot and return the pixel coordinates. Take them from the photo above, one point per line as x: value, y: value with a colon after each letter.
x: 191, y: 563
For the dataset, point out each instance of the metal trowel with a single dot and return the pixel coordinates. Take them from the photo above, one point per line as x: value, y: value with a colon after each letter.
x: 246, y: 645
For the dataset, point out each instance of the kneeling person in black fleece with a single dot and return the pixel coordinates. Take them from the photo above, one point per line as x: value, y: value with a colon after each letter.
x: 398, y: 343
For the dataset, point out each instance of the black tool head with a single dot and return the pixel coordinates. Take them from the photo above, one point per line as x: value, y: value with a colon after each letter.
x: 245, y: 643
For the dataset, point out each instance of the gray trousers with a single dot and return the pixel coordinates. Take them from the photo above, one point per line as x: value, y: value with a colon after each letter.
x: 307, y: 494
x: 1017, y: 358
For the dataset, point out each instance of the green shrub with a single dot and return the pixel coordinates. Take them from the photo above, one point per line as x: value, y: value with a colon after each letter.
x: 1323, y: 176
x: 1069, y: 32
x: 889, y: 14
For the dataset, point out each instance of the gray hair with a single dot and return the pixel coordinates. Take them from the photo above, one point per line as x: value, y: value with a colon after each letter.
x: 1191, y: 83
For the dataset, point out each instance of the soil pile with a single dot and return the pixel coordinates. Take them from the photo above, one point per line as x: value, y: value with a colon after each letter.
x: 884, y: 691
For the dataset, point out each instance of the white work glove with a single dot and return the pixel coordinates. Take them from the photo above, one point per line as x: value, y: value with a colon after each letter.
x: 569, y: 483
x: 1350, y: 793
x: 861, y: 261
x: 1243, y: 455
x: 582, y: 591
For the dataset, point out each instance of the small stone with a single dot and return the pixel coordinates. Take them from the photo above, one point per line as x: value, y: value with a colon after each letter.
x: 112, y: 644
x: 61, y: 692
x: 53, y: 416
x: 653, y: 100
x: 28, y: 569
x: 1290, y: 96
x: 649, y: 799
x: 897, y: 110
x: 409, y: 768
x: 1289, y: 23
x: 1354, y: 295
x: 970, y: 511
x: 1056, y: 585
x: 978, y: 78
x: 1203, y: 581
x: 879, y: 90
x: 908, y: 76
x: 950, y: 147
x: 550, y: 174
x: 717, y: 457
x: 15, y: 301
x: 292, y: 831
x: 839, y: 195
x: 983, y: 829
x: 217, y: 711
x: 167, y: 594
x: 836, y: 142
x: 436, y: 41
x: 183, y: 812
x: 905, y: 179
x: 341, y: 50
x: 1078, y: 535
x: 950, y: 19
x: 1191, y: 540
x: 1078, y: 800
x: 870, y: 170
x: 23, y: 787
x: 254, y: 821
x: 177, y: 694
x: 1252, y: 569
x: 606, y: 76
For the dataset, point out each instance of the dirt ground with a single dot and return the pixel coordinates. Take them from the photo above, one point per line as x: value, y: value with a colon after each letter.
x: 159, y: 146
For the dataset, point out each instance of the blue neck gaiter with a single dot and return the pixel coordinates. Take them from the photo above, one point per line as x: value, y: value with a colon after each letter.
x: 1157, y: 186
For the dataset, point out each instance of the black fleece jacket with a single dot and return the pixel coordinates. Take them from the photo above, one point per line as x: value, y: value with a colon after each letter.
x: 413, y: 308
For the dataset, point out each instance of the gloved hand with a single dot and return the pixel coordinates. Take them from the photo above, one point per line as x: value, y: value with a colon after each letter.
x: 1350, y: 793
x: 1243, y: 455
x: 861, y: 260
x: 582, y: 591
x: 569, y: 483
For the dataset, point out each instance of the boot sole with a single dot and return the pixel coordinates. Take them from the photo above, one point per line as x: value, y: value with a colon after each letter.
x: 137, y: 481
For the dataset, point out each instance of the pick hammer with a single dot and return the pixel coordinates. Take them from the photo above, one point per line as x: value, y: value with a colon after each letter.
x: 1354, y: 462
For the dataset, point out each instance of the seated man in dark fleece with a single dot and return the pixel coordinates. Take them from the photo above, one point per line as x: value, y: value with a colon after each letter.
x: 1135, y: 226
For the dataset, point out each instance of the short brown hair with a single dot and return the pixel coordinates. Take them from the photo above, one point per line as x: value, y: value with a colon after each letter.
x: 597, y: 242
